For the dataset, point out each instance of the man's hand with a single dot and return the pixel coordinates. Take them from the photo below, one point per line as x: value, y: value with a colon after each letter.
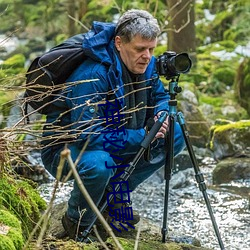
x: 164, y: 128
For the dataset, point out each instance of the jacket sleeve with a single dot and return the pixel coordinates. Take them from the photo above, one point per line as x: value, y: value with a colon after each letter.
x: 88, y: 116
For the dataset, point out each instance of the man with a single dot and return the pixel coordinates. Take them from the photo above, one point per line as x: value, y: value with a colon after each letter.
x: 107, y: 115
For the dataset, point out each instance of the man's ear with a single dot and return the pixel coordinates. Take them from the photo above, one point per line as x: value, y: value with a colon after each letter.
x: 118, y: 43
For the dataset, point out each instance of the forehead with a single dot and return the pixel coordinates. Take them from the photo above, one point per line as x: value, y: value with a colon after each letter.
x: 140, y: 41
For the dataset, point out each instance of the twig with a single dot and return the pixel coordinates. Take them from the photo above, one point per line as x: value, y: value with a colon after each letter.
x: 66, y: 154
x: 99, y: 238
x: 45, y: 217
x: 137, y: 236
x: 77, y: 21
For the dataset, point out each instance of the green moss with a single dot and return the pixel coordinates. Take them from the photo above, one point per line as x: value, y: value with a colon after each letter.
x: 228, y: 45
x: 13, y: 71
x: 235, y: 125
x: 6, y: 243
x: 13, y: 238
x: 16, y: 237
x: 21, y: 199
x: 128, y: 244
x: 9, y: 219
x: 212, y: 100
x: 239, y: 128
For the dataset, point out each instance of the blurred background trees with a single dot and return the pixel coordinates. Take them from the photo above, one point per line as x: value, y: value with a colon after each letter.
x: 215, y: 34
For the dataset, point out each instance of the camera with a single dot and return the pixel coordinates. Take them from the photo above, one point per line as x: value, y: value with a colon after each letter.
x: 171, y: 65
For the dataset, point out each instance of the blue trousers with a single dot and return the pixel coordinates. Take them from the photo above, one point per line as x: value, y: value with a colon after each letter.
x: 95, y: 175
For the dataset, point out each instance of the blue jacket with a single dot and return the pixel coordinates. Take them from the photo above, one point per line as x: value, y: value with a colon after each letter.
x: 103, y: 69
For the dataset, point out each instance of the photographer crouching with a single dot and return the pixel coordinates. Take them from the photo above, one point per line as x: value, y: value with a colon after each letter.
x: 108, y: 116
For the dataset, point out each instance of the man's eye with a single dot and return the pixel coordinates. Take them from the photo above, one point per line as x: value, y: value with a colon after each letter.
x: 139, y: 50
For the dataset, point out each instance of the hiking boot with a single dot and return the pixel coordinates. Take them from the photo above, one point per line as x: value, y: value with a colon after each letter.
x: 118, y: 210
x: 74, y: 231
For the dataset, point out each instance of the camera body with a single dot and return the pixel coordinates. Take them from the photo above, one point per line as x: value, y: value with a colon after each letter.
x: 171, y: 65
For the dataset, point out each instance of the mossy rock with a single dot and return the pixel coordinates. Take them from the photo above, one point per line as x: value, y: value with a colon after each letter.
x: 11, y: 237
x: 128, y: 244
x: 22, y: 200
x: 232, y: 139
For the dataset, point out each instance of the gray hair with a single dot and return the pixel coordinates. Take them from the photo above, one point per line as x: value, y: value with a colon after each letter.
x: 137, y: 22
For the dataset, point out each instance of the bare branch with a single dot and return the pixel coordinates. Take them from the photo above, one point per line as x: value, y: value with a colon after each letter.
x: 66, y: 154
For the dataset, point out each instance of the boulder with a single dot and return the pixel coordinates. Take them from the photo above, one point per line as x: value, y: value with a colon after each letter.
x: 231, y: 139
x: 231, y: 169
x: 230, y: 143
x: 197, y: 125
x: 150, y: 236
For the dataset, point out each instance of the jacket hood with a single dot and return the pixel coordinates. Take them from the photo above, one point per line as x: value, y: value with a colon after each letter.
x: 98, y: 43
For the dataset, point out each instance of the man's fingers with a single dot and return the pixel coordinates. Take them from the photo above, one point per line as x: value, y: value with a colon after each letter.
x: 159, y: 135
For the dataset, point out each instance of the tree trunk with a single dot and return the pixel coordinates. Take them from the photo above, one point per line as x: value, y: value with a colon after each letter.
x: 181, y: 27
x: 83, y: 7
x: 71, y: 6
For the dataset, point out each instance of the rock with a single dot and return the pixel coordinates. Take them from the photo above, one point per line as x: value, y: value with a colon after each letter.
x: 181, y: 179
x: 197, y: 125
x: 149, y: 237
x: 231, y: 169
x: 232, y: 139
x: 190, y: 96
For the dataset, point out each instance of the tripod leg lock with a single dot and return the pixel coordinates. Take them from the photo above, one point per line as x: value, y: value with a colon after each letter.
x: 200, y: 180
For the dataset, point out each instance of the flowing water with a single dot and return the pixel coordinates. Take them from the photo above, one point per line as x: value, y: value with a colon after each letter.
x: 187, y: 212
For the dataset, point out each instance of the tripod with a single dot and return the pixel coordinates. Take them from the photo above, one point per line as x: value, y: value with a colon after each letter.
x: 173, y: 90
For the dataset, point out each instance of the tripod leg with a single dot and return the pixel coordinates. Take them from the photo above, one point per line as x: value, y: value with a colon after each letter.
x: 168, y: 172
x: 144, y: 145
x: 199, y: 176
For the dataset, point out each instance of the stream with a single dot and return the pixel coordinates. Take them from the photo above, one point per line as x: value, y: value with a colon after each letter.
x: 187, y: 212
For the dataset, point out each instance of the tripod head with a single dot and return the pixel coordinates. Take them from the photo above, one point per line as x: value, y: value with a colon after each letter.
x: 174, y: 89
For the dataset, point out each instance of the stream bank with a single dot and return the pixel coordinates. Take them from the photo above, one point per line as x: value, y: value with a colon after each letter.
x: 187, y: 213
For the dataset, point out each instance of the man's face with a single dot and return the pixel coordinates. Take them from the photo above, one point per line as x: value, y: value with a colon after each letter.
x: 137, y: 53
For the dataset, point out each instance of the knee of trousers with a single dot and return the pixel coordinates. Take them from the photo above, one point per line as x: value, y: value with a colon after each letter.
x: 96, y: 165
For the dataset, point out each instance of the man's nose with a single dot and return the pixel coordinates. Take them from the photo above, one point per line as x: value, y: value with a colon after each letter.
x: 146, y: 54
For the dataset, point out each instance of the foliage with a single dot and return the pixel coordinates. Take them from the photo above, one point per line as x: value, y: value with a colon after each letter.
x: 224, y: 75
x: 242, y: 84
x: 218, y: 104
x: 12, y: 69
x: 227, y: 21
x: 53, y: 20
